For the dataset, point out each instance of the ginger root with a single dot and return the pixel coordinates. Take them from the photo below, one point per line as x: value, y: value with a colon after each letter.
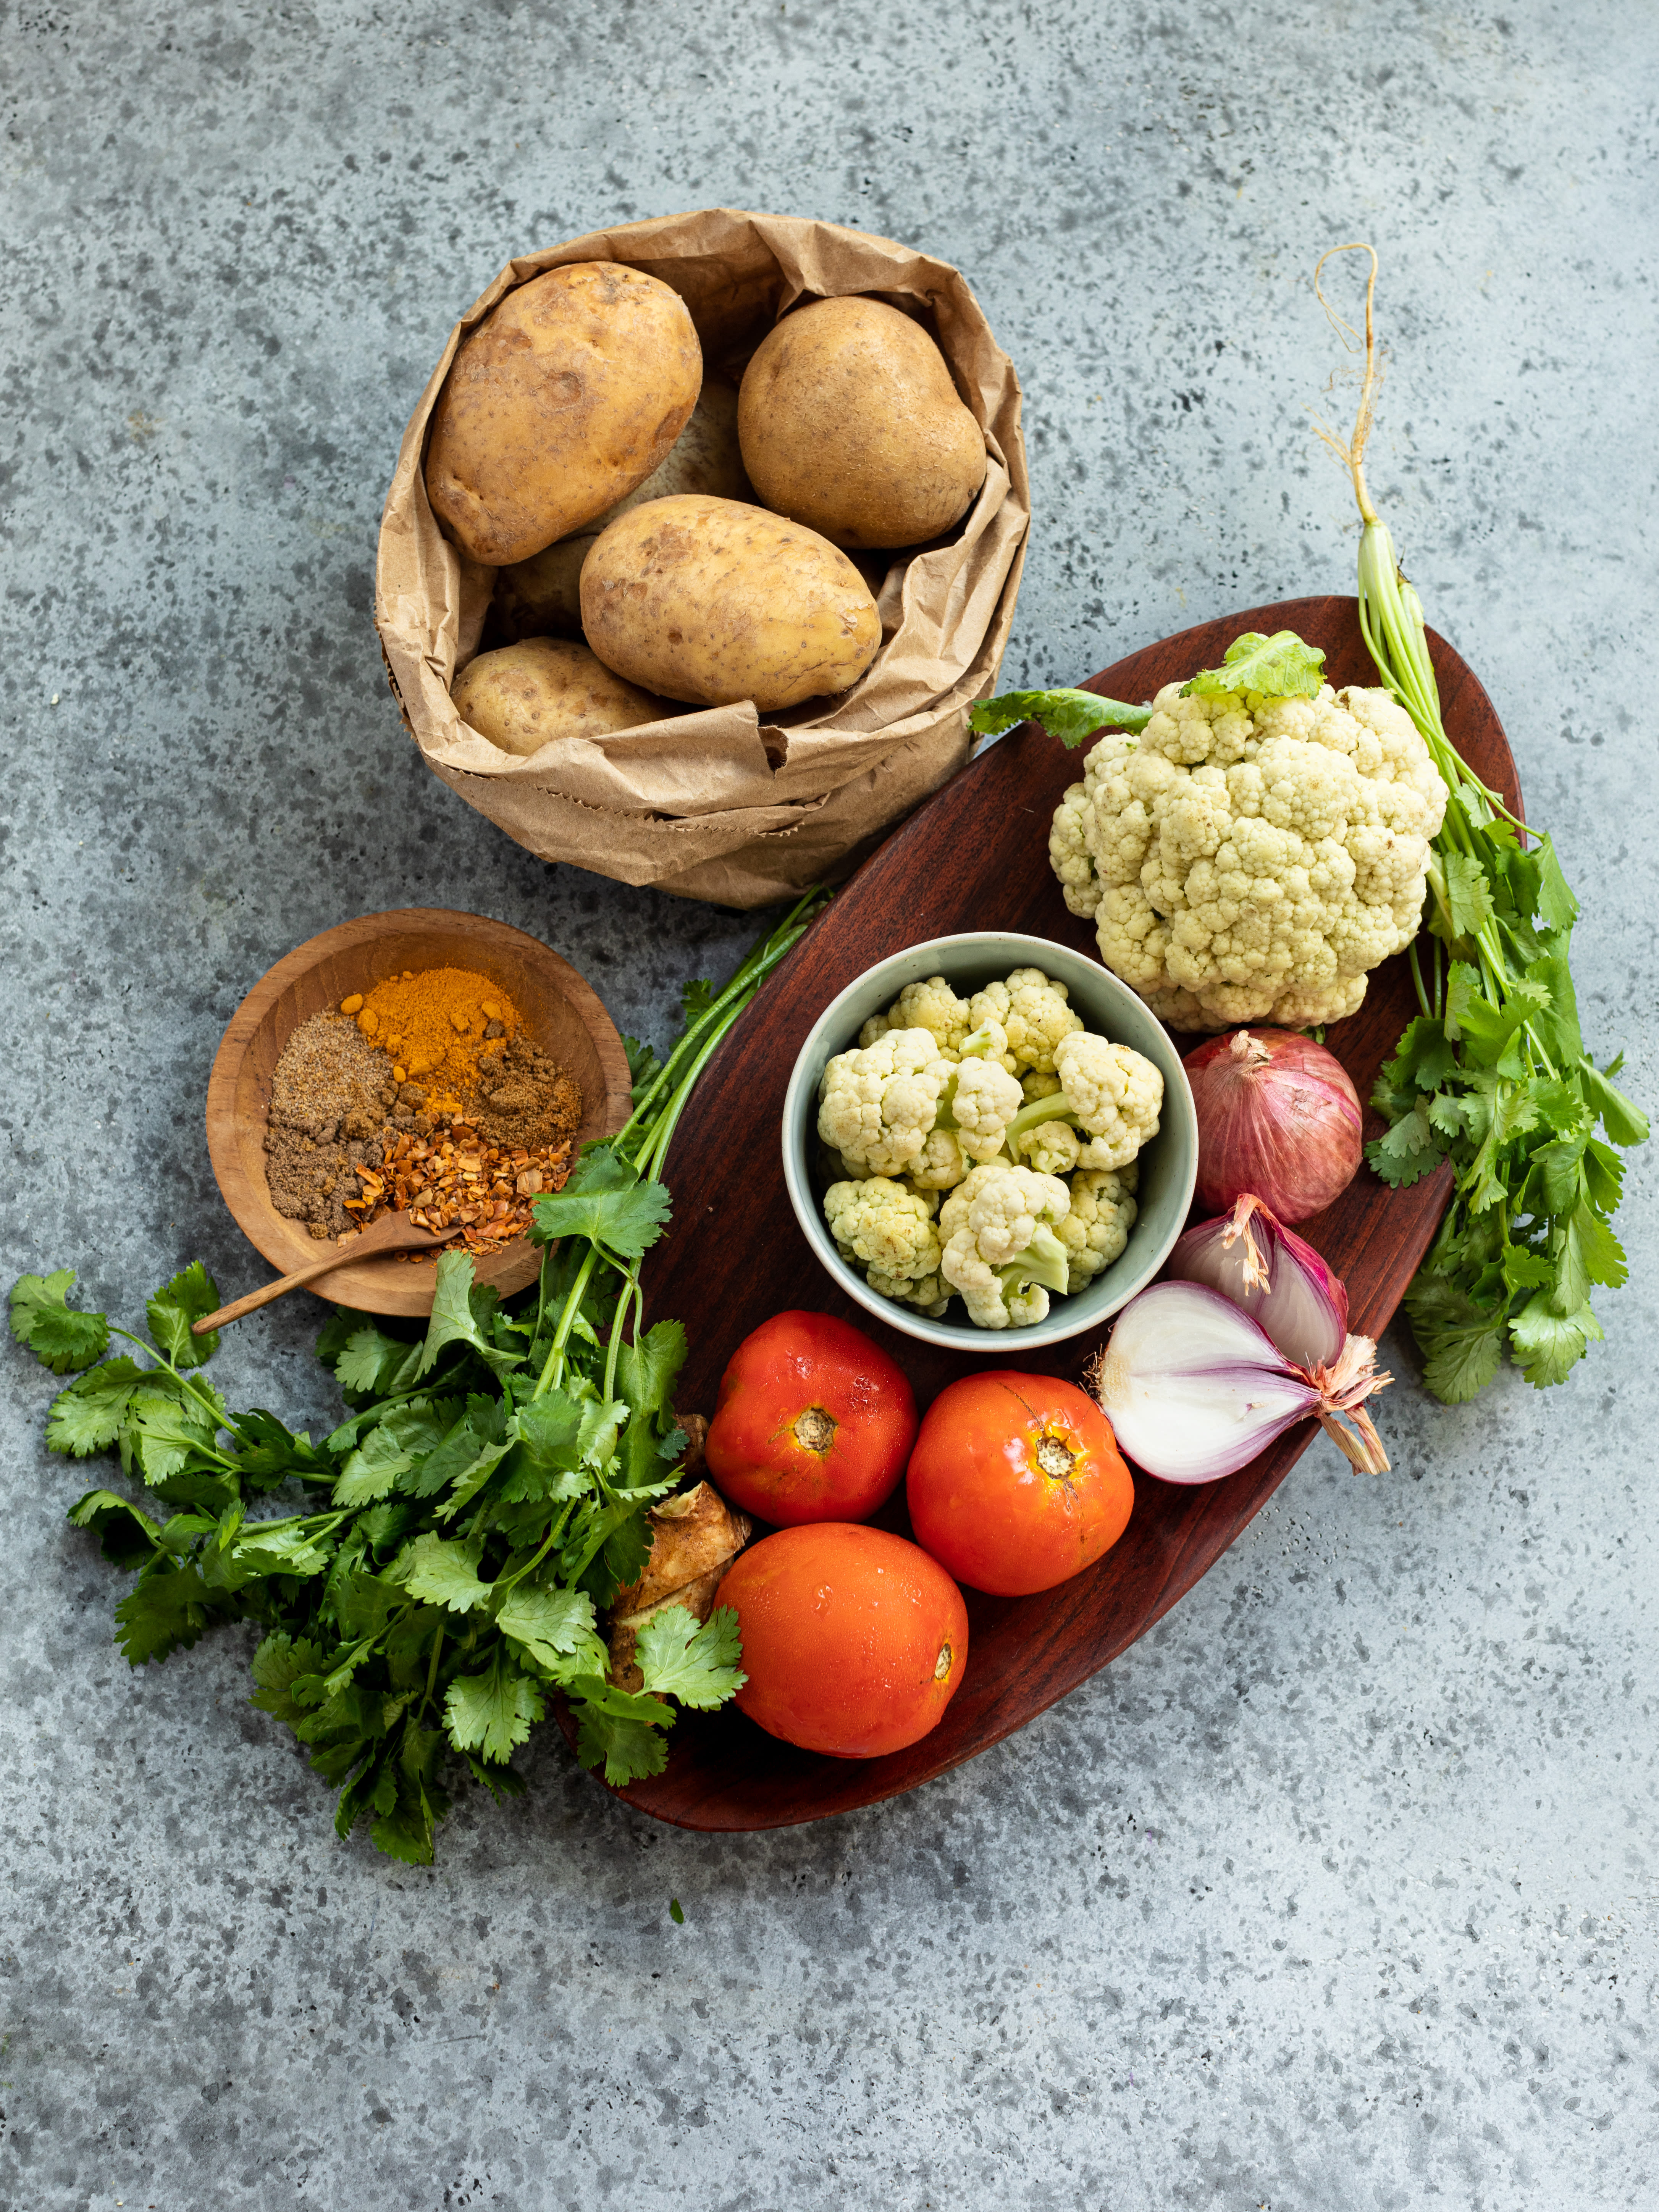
x: 695, y: 1537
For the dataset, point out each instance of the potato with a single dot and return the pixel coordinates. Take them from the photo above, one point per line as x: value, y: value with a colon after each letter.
x: 712, y: 601
x: 541, y: 597
x: 849, y: 423
x: 565, y: 397
x: 530, y: 695
x: 706, y: 458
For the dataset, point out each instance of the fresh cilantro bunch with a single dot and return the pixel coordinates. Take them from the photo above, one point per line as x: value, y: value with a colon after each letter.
x: 464, y: 1529
x: 1492, y: 1075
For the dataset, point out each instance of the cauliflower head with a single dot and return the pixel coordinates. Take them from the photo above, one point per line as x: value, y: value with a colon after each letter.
x: 1249, y: 859
x: 1098, y: 1227
x: 1116, y: 1094
x: 877, y: 1104
x: 1032, y: 1009
x: 1001, y: 1251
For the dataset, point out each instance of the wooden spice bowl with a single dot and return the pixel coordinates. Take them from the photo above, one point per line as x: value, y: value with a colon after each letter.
x: 562, y: 1014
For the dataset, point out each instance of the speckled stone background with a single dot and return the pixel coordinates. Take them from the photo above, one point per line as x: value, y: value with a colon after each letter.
x: 1338, y: 1891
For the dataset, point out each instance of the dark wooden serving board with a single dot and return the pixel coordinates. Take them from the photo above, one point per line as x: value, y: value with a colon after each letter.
x: 975, y: 857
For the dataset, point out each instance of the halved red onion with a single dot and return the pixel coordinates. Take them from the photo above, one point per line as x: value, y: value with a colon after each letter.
x: 1194, y: 1388
x: 1272, y: 1275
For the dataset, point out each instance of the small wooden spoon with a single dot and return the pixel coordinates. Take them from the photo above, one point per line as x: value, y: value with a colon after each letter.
x: 393, y: 1232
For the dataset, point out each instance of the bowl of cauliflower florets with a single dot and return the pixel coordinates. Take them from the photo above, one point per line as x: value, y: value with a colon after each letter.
x: 990, y: 1134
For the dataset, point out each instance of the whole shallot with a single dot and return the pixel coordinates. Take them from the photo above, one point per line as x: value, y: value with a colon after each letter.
x: 1277, y: 1115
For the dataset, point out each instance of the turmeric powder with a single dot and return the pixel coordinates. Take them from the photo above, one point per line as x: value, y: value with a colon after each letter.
x: 443, y: 1028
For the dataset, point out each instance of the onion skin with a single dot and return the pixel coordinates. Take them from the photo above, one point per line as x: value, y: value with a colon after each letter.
x: 1277, y: 1117
x: 1271, y: 1274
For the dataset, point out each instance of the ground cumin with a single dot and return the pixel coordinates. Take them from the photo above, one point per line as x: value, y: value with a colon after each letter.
x: 489, y: 1122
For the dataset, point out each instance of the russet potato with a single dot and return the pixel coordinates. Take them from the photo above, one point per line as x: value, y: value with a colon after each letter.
x: 850, y: 423
x: 711, y: 601
x: 568, y: 394
x: 524, y: 696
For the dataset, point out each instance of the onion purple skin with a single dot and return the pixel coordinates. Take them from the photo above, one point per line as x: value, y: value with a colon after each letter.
x: 1304, y: 1308
x: 1278, y: 1116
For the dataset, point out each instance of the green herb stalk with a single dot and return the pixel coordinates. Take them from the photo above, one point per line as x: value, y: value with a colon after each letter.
x: 486, y: 1497
x: 1492, y: 1075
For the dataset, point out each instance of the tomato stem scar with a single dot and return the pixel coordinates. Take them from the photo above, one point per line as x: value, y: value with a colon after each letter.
x: 815, y: 1430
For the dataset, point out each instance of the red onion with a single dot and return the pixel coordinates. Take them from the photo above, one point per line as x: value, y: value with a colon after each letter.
x: 1277, y: 1115
x: 1280, y: 1281
x: 1195, y: 1389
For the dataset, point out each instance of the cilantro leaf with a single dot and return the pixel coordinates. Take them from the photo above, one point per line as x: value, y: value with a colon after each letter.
x: 279, y: 1663
x: 371, y: 1471
x: 1589, y: 1253
x: 163, y: 1429
x: 605, y: 1201
x: 697, y: 1665
x: 556, y: 1627
x: 1556, y: 903
x: 409, y: 1800
x: 643, y: 1065
x: 1468, y: 906
x: 1624, y: 1121
x: 361, y: 1357
x: 1548, y: 1345
x: 647, y: 1370
x: 88, y: 1416
x: 191, y: 1293
x: 165, y: 1612
x: 1071, y: 716
x: 492, y: 1711
x: 60, y: 1338
x: 456, y: 1318
x: 695, y: 1000
x: 1277, y: 667
x: 1408, y: 1150
x: 620, y: 1729
x: 268, y: 1452
x: 445, y: 1574
x: 125, y: 1536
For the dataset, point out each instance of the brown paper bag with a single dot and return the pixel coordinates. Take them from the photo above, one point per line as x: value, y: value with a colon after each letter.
x: 716, y: 804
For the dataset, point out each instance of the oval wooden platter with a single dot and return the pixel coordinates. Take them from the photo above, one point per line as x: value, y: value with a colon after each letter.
x: 975, y: 857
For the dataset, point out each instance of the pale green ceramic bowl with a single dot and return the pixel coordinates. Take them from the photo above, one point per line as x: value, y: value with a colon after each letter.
x: 1169, y: 1166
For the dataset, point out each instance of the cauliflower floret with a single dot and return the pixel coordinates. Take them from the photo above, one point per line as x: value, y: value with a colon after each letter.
x: 1034, y: 1087
x: 931, y: 1295
x: 1249, y: 859
x: 1098, y: 1227
x: 984, y: 1101
x: 939, y: 1165
x: 1113, y: 1094
x: 1000, y: 1248
x: 1051, y: 1149
x: 884, y: 1227
x: 1117, y: 1095
x: 932, y: 1006
x: 878, y: 1103
x: 1032, y: 1009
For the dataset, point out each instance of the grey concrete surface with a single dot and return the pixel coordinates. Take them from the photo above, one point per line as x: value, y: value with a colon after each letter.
x: 1338, y: 1894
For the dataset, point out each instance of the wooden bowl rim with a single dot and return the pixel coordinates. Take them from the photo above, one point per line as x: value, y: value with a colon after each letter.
x: 383, y: 1286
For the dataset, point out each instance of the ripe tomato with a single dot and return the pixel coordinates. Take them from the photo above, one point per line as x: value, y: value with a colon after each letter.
x: 854, y: 1641
x: 813, y: 1422
x: 1016, y: 1482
